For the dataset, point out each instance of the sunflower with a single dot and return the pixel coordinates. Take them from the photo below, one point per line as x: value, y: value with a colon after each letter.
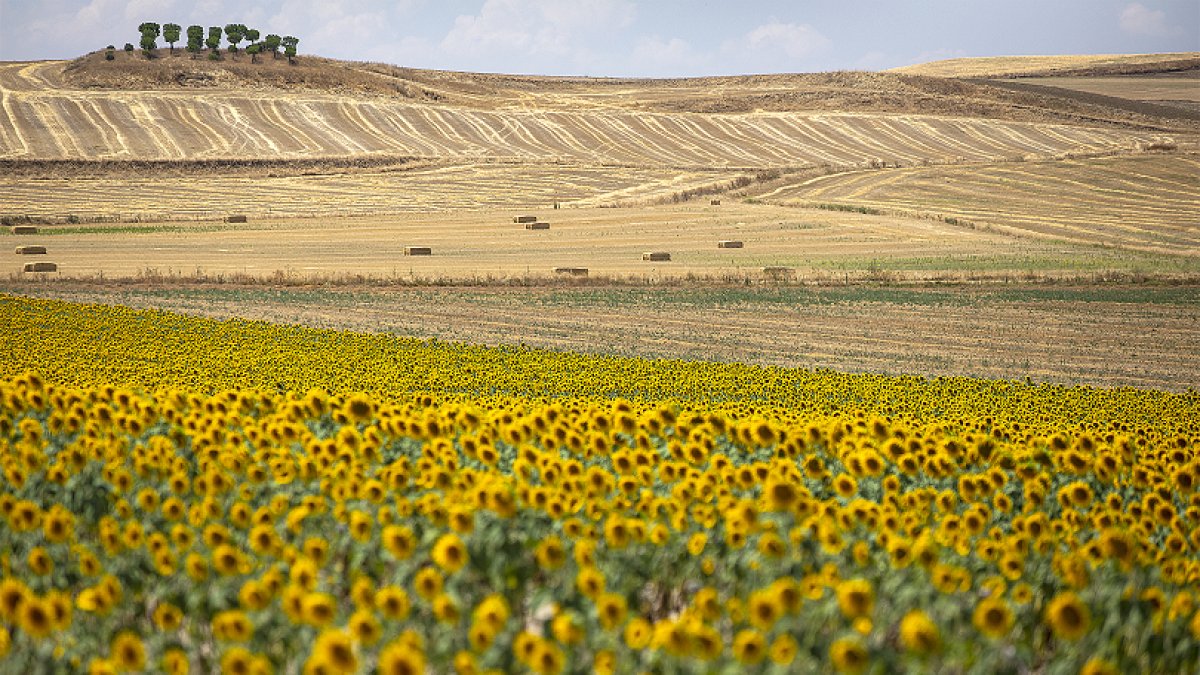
x: 450, y: 553
x: 232, y: 625
x: 637, y: 633
x: 749, y: 646
x: 36, y: 617
x: 13, y: 593
x: 783, y: 650
x: 547, y: 658
x: 855, y: 598
x: 550, y: 553
x: 318, y: 609
x: 167, y: 616
x: 175, y: 662
x: 919, y: 634
x: 1068, y: 617
x: 128, y: 652
x: 334, y: 650
x: 764, y: 609
x: 567, y: 628
x: 445, y: 609
x: 590, y: 582
x: 400, y: 541
x: 237, y: 661
x: 392, y: 602
x: 848, y: 655
x: 227, y: 560
x: 993, y: 617
x: 428, y: 583
x: 845, y: 486
x: 611, y: 609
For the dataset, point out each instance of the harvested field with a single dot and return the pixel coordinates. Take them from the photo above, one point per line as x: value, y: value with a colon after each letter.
x: 1154, y: 88
x: 1146, y: 202
x: 428, y: 188
x: 1142, y: 336
x: 610, y: 242
x: 1029, y: 66
x: 44, y: 119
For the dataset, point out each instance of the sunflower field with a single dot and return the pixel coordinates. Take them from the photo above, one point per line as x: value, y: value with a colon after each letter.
x: 187, y: 495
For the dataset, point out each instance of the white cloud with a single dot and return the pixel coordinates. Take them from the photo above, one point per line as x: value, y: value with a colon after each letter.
x: 561, y: 28
x: 794, y: 40
x: 1139, y: 19
x: 656, y: 56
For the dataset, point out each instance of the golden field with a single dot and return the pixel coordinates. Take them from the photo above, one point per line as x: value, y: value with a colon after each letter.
x: 514, y: 509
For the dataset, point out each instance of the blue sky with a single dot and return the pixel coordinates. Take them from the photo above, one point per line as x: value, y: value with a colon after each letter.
x: 650, y: 38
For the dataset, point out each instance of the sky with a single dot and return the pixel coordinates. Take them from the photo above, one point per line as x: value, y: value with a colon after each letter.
x: 629, y: 38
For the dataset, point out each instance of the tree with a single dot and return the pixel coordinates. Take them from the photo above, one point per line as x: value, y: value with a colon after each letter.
x: 128, y: 46
x: 251, y: 35
x: 253, y: 51
x: 289, y: 47
x: 234, y: 32
x: 149, y: 43
x: 149, y: 27
x: 171, y: 34
x: 214, y: 38
x: 195, y: 36
x: 271, y: 44
x: 109, y: 54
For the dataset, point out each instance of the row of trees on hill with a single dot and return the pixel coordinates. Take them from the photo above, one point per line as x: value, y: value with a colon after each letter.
x: 198, y: 40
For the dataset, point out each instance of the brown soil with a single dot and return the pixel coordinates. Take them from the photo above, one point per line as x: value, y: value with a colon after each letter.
x: 975, y: 331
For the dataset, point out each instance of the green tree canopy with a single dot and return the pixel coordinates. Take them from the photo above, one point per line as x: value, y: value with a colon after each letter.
x: 171, y: 34
x: 195, y: 39
x: 271, y: 43
x: 234, y: 33
x: 289, y: 47
x: 149, y: 27
x: 214, y: 37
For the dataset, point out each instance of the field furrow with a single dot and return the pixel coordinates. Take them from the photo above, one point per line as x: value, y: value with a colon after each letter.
x: 1149, y: 202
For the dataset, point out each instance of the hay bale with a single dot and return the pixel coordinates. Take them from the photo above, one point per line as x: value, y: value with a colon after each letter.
x: 537, y: 226
x: 235, y: 219
x: 24, y: 229
x: 525, y: 219
x: 30, y: 250
x: 778, y: 272
x: 656, y: 256
x: 41, y: 267
x: 418, y: 250
x: 729, y: 243
x: 572, y: 271
x: 714, y: 202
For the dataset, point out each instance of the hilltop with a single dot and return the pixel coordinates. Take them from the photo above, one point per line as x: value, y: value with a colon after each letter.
x: 845, y: 91
x: 1063, y: 65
